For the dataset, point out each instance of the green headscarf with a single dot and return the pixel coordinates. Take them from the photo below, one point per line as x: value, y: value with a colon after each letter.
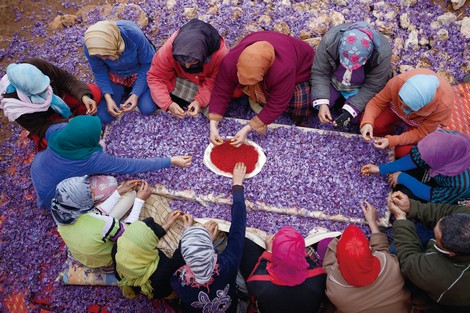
x: 79, y: 139
x: 137, y: 259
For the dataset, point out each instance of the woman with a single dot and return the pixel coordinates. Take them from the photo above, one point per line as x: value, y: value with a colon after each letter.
x: 74, y: 150
x: 206, y: 283
x: 183, y: 70
x: 120, y: 55
x: 446, y: 154
x: 273, y: 69
x: 352, y: 63
x: 91, y: 231
x: 139, y: 266
x: 363, y: 276
x: 285, y: 271
x: 37, y: 94
x: 420, y: 98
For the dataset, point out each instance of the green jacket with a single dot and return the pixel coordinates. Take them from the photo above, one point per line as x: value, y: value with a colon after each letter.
x: 445, y: 279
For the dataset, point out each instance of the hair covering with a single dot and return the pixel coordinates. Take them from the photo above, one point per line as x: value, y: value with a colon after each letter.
x: 254, y: 62
x: 196, y: 41
x: 419, y: 90
x: 137, y: 259
x: 358, y: 266
x: 78, y: 139
x: 72, y: 198
x: 357, y: 44
x: 104, y: 38
x: 198, y: 253
x: 446, y: 153
x: 33, y: 88
x: 288, y: 257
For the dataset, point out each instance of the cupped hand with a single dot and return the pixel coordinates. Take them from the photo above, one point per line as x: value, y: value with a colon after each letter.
x: 367, y: 132
x: 370, y: 169
x: 241, y: 136
x: 194, y: 108
x: 113, y: 108
x: 130, y: 104
x: 144, y: 192
x: 324, y: 114
x: 181, y: 160
x: 176, y: 110
x: 381, y: 143
x: 90, y: 105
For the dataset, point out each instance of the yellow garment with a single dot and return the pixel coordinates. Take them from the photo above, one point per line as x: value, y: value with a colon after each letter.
x: 253, y: 64
x: 104, y: 38
x: 137, y: 259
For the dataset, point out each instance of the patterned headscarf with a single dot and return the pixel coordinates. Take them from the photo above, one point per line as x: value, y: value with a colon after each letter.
x: 418, y: 91
x: 196, y: 41
x: 72, y: 198
x: 358, y: 266
x: 104, y: 38
x: 357, y: 44
x: 199, y: 254
x: 79, y: 139
x: 137, y: 259
x: 33, y: 87
x: 288, y: 257
x: 446, y: 153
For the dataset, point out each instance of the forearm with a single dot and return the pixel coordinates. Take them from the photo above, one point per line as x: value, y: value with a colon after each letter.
x: 419, y: 189
x: 403, y: 164
x: 430, y: 213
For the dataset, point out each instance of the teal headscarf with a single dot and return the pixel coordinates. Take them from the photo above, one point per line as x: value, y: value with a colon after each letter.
x: 79, y: 139
x: 29, y: 80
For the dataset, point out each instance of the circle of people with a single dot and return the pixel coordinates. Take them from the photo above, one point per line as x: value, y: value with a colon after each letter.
x: 195, y: 72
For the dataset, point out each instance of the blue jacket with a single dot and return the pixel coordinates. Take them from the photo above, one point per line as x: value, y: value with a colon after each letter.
x: 48, y: 168
x: 136, y: 58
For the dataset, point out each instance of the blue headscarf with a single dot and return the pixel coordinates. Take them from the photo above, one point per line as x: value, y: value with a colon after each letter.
x: 418, y: 91
x: 29, y: 80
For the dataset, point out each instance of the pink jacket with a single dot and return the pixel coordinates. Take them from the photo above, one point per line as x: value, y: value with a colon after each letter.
x: 162, y: 75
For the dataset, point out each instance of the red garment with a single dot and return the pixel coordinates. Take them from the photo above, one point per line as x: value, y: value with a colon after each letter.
x: 288, y: 257
x: 355, y: 260
x: 76, y: 106
x: 162, y: 74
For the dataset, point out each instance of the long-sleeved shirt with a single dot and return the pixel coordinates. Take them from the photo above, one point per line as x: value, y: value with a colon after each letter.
x: 424, y: 121
x: 444, y: 278
x: 48, y: 168
x: 135, y: 59
x: 222, y: 290
x: 450, y: 189
x: 162, y: 75
x: 61, y: 82
x: 291, y: 66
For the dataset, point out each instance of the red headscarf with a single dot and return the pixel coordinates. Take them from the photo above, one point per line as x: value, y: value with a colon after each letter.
x: 288, y: 257
x: 355, y: 260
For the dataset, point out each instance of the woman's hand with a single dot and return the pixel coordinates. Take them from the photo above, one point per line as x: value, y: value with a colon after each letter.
x: 369, y: 169
x: 239, y: 172
x: 269, y: 242
x: 370, y: 214
x: 214, y: 136
x: 213, y: 228
x: 130, y: 103
x: 90, y: 105
x: 187, y: 220
x: 381, y: 143
x: 111, y: 105
x: 176, y: 110
x: 367, y: 132
x: 324, y: 114
x: 393, y: 179
x: 194, y: 108
x: 128, y: 185
x: 181, y: 160
x: 171, y: 219
x: 240, y: 137
x: 144, y: 192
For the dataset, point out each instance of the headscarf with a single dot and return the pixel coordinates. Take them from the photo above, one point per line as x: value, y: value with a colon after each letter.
x: 196, y: 41
x: 253, y: 64
x: 446, y: 153
x: 104, y: 38
x: 199, y: 255
x: 358, y: 266
x: 78, y: 139
x: 419, y: 90
x: 72, y: 198
x: 288, y: 257
x: 137, y: 259
x: 356, y: 46
x: 34, y: 92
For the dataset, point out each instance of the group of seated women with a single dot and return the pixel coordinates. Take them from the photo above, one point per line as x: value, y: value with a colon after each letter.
x: 195, y: 72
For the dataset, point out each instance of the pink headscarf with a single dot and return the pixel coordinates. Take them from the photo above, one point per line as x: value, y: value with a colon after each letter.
x: 446, y: 153
x: 288, y: 257
x: 358, y: 266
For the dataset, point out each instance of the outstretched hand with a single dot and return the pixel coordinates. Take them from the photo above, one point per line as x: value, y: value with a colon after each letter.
x: 370, y: 214
x: 239, y: 172
x: 369, y: 169
x: 181, y: 160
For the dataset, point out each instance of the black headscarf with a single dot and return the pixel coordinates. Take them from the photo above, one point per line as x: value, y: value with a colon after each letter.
x: 196, y: 41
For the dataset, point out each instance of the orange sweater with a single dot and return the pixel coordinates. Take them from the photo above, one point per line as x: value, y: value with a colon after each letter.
x: 436, y: 113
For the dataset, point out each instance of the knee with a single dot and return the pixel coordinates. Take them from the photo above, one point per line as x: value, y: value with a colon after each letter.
x: 146, y: 105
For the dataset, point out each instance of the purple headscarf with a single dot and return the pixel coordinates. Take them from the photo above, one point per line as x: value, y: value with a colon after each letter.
x: 446, y: 153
